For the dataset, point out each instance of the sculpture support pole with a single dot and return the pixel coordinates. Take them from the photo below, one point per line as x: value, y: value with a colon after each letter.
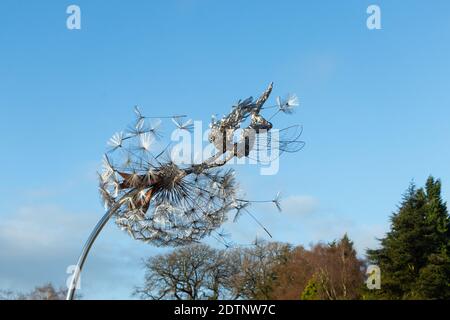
x: 76, y: 275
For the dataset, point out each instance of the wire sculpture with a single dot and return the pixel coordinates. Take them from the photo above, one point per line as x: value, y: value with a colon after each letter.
x: 164, y: 203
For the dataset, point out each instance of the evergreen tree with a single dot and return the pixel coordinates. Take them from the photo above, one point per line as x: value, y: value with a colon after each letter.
x: 310, y: 292
x: 413, y: 257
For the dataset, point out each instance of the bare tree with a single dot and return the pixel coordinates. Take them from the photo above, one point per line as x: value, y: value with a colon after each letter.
x: 256, y: 276
x: 8, y: 295
x: 188, y: 273
x: 265, y: 270
x: 45, y: 292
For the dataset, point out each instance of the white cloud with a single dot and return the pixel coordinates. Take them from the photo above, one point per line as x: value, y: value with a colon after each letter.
x: 40, y: 228
x: 38, y: 243
x: 300, y: 205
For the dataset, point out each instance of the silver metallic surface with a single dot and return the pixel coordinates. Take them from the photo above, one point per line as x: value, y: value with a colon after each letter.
x: 165, y: 204
x: 87, y: 247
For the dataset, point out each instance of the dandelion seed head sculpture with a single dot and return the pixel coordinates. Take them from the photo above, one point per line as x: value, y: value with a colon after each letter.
x: 166, y: 204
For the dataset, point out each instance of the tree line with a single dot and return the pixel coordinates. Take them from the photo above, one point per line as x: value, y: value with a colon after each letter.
x: 413, y: 258
x: 266, y: 270
x: 44, y: 292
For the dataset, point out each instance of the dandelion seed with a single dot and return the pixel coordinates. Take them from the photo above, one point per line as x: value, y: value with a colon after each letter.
x: 188, y: 125
x: 292, y: 100
x: 288, y: 105
x: 146, y: 141
x: 155, y: 126
x: 108, y: 169
x: 277, y: 201
x: 116, y: 140
x: 138, y: 112
x: 239, y: 210
x: 140, y: 125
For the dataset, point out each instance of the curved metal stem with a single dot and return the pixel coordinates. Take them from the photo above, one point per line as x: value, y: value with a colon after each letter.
x: 98, y: 228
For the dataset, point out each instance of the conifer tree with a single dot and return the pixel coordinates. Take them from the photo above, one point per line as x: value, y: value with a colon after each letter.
x: 413, y: 256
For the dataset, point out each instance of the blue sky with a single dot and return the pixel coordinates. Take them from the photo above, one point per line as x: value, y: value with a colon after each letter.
x: 374, y: 105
